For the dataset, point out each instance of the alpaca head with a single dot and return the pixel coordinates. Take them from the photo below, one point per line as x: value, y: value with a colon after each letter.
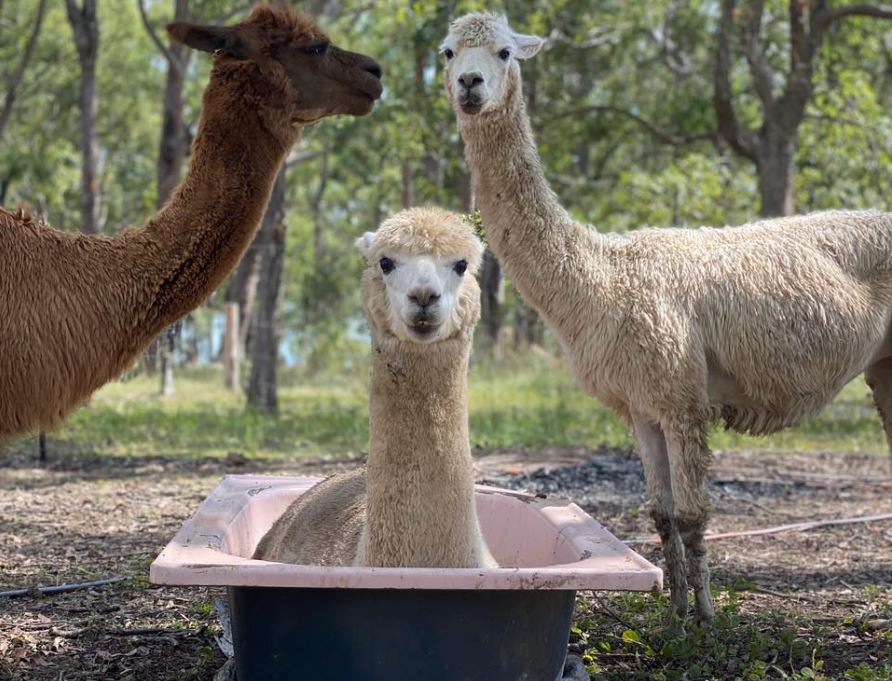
x: 305, y: 74
x: 481, y: 53
x: 419, y: 285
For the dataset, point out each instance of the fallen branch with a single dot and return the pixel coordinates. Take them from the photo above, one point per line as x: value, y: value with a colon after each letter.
x: 62, y: 588
x: 793, y: 527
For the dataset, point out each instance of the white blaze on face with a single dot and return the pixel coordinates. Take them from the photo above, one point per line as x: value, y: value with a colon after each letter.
x: 479, y: 51
x: 422, y: 292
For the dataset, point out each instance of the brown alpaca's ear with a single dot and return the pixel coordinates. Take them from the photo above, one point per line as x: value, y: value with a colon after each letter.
x: 208, y: 38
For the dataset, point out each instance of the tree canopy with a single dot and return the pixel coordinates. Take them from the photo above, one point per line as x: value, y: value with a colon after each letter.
x: 629, y: 102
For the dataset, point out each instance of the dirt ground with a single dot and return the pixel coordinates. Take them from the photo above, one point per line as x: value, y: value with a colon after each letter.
x: 80, y: 519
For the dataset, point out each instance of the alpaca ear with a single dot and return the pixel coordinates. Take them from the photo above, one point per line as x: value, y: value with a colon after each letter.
x: 365, y: 244
x: 527, y: 45
x: 208, y: 38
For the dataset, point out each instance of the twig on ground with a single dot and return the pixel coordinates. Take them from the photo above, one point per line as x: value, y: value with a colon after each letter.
x: 778, y: 594
x: 67, y: 633
x: 62, y: 588
x: 792, y: 527
x: 145, y: 632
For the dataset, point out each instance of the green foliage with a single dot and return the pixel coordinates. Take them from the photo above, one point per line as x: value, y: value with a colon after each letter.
x: 866, y: 672
x: 624, y: 637
x: 521, y: 401
x: 39, y: 156
x: 652, y: 60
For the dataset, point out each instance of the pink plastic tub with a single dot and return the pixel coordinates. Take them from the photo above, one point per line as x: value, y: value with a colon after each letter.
x: 291, y: 621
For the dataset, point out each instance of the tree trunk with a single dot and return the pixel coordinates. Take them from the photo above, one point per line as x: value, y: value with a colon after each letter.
x: 262, y: 389
x: 85, y: 24
x: 172, y: 151
x: 150, y: 357
x: 777, y: 172
x: 190, y: 345
x: 528, y: 329
x: 15, y: 79
x: 174, y: 144
x: 772, y: 145
x: 491, y: 300
x: 242, y: 290
x: 231, y: 348
x: 165, y: 354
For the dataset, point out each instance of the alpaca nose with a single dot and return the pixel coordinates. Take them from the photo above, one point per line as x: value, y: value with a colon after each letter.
x: 470, y: 80
x: 424, y: 296
x: 374, y: 68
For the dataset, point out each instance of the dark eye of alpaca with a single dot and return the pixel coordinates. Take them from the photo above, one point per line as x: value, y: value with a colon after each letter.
x: 504, y: 53
x: 387, y: 265
x: 460, y: 267
x: 449, y: 54
x: 316, y: 50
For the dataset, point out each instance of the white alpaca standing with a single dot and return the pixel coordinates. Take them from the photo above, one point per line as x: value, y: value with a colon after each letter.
x: 759, y: 325
x: 414, y: 505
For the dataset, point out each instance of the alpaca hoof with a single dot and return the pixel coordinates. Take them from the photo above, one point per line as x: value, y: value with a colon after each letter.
x: 705, y: 614
x: 673, y: 625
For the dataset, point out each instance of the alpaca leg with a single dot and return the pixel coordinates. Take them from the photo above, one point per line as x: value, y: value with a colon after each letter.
x: 689, y: 464
x: 651, y: 447
x: 879, y: 378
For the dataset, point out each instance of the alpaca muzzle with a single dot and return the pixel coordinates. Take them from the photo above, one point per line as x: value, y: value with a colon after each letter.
x: 425, y: 324
x: 470, y: 101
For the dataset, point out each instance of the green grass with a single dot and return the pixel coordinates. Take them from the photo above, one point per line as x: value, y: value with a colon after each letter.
x: 623, y: 637
x: 528, y: 401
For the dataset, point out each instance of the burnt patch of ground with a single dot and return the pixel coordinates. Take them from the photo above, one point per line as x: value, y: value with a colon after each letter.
x: 818, y: 599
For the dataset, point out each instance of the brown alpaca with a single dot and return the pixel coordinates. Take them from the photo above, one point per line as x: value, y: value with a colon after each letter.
x: 76, y: 310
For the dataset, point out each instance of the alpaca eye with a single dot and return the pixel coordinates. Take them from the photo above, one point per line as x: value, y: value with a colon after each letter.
x: 387, y: 265
x: 316, y: 50
x: 449, y: 54
x: 504, y: 54
x: 460, y: 267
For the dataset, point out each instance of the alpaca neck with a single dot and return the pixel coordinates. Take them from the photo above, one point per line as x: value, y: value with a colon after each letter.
x: 420, y: 508
x: 541, y: 248
x: 188, y: 248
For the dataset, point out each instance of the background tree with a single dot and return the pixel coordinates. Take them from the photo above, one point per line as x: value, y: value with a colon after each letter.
x: 262, y: 386
x: 85, y: 26
x: 14, y: 79
x: 783, y: 94
x: 623, y: 105
x: 175, y: 141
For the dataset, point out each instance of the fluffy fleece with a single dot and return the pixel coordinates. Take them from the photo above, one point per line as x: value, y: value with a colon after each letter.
x: 75, y: 310
x: 759, y: 325
x: 413, y: 505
